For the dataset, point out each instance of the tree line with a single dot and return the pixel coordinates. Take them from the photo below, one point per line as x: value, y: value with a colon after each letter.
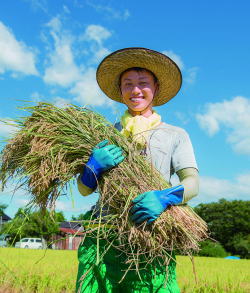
x: 228, y: 223
x: 28, y: 223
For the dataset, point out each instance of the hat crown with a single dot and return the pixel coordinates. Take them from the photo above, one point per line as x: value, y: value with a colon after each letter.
x: 167, y: 72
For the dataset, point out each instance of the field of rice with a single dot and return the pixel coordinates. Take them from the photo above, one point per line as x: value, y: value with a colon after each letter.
x: 27, y: 270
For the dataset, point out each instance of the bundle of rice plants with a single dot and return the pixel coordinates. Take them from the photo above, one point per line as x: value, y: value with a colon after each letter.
x: 49, y: 150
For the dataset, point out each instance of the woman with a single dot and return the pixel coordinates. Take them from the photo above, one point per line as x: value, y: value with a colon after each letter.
x: 140, y: 78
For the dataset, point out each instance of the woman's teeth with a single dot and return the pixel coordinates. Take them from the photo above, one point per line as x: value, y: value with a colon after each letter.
x: 137, y: 99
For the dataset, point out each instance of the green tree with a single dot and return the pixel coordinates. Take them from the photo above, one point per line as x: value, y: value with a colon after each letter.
x: 212, y: 248
x: 59, y: 217
x: 226, y: 220
x: 23, y: 213
x: 33, y: 224
x: 2, y: 208
x: 80, y: 217
x: 241, y: 245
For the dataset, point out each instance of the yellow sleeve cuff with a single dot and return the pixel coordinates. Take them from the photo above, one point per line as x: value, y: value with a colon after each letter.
x: 83, y: 189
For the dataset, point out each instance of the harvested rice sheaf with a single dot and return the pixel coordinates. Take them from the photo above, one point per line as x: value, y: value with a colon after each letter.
x: 50, y: 149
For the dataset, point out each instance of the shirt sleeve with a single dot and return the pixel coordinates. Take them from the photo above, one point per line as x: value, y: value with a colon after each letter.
x: 183, y: 153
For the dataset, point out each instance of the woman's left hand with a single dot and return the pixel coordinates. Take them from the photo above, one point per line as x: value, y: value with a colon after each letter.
x: 149, y: 205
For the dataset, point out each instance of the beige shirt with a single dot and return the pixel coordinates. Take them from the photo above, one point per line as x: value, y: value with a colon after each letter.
x: 169, y: 149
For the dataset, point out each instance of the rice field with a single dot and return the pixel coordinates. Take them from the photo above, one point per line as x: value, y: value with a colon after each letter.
x: 27, y: 270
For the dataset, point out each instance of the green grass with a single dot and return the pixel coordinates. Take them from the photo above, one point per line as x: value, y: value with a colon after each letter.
x: 27, y: 270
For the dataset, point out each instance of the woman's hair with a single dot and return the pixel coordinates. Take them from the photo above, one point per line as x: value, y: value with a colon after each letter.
x: 137, y: 69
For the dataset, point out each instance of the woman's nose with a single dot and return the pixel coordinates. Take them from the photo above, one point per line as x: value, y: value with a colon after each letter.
x: 136, y: 90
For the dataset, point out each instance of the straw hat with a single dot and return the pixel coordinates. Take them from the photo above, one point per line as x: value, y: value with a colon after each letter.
x: 167, y: 72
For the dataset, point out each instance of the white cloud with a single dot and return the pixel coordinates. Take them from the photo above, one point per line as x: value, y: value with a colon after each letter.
x: 55, y: 25
x: 15, y: 56
x: 6, y: 130
x: 62, y: 69
x: 61, y: 102
x: 14, y: 198
x: 38, y: 5
x: 87, y: 92
x: 213, y: 189
x: 66, y: 9
x: 183, y: 117
x: 96, y: 33
x: 176, y: 58
x: 57, y: 101
x: 126, y: 14
x: 234, y: 116
x: 190, y: 75
x: 11, y: 191
x: 110, y: 11
x: 36, y: 97
x: 65, y: 72
x: 208, y: 123
x: 71, y: 207
x: 99, y: 55
x: 66, y: 207
x: 21, y: 202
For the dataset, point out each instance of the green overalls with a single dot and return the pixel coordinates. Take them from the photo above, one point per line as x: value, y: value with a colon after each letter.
x: 105, y: 276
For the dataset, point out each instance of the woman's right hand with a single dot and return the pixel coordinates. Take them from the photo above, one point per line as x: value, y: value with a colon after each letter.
x: 102, y: 158
x: 105, y: 157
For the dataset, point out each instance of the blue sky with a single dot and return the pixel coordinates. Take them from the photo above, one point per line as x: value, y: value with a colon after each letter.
x: 49, y: 51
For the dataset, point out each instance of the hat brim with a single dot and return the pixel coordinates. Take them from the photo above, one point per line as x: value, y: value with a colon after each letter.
x: 165, y: 69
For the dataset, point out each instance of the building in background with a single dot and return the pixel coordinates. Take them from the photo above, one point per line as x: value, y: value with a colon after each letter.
x: 69, y: 237
x: 3, y: 220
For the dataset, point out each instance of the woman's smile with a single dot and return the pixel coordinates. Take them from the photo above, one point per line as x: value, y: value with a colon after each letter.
x: 136, y: 99
x: 138, y: 89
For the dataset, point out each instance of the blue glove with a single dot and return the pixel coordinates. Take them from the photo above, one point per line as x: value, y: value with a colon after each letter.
x: 103, y: 158
x: 149, y: 205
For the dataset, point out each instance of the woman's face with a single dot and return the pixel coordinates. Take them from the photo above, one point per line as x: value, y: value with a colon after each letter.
x: 138, y: 89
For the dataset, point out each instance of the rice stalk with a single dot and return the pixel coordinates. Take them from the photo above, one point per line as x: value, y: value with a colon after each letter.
x: 51, y: 147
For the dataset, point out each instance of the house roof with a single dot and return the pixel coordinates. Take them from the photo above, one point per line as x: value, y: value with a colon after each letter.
x: 71, y: 227
x: 71, y: 224
x: 71, y: 231
x: 5, y: 217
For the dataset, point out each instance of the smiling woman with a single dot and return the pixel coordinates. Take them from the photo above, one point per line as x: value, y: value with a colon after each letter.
x: 140, y: 78
x: 209, y: 53
x: 138, y: 87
